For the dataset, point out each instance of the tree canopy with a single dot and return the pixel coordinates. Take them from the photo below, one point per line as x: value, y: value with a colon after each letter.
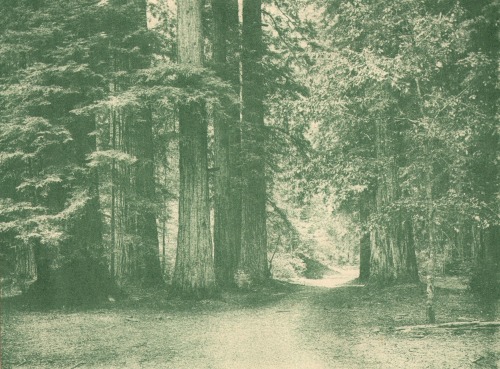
x: 228, y: 143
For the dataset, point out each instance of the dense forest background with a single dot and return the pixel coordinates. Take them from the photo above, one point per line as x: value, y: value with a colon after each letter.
x: 210, y: 144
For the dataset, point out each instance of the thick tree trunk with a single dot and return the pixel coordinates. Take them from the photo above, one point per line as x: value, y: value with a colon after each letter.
x: 253, y: 256
x: 393, y: 256
x: 227, y: 209
x: 134, y: 235
x: 148, y: 269
x: 194, y: 272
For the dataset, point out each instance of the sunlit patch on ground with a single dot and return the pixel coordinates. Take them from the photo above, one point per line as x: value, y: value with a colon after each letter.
x: 333, y: 280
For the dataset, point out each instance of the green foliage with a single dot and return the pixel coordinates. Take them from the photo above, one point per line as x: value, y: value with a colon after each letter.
x: 287, y: 266
x: 391, y: 101
x: 58, y: 61
x: 107, y: 157
x: 397, y: 102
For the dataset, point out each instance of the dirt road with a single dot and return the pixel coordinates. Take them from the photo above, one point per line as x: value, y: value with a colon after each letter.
x: 315, y: 325
x: 269, y: 337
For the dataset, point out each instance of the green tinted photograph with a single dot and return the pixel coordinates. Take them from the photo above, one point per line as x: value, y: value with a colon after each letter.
x: 249, y: 184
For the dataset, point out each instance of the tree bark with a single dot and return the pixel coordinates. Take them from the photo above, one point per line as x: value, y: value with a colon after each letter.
x: 364, y: 243
x: 253, y: 256
x: 150, y: 269
x: 392, y: 256
x: 148, y: 262
x: 194, y: 272
x: 134, y: 234
x: 227, y: 209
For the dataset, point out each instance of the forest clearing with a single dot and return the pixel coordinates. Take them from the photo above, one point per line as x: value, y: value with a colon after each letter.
x: 250, y: 184
x: 280, y: 326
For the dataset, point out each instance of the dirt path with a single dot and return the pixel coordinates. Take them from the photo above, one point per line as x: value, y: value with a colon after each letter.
x: 269, y: 338
x: 265, y: 339
x: 309, y: 326
x: 262, y: 338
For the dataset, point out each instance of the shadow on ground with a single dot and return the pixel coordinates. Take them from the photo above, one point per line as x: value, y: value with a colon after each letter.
x: 353, y: 327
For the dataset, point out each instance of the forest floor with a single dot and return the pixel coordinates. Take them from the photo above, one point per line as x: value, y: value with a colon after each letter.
x: 307, y: 324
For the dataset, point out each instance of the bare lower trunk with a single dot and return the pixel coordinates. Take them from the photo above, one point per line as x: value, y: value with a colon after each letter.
x: 227, y: 208
x: 194, y: 272
x: 227, y: 211
x: 150, y: 273
x: 253, y: 257
x: 393, y: 256
x: 364, y: 243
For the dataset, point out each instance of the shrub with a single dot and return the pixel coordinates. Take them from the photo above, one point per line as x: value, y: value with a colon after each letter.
x: 286, y: 266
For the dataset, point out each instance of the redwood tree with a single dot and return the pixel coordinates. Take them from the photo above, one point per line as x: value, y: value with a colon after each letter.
x: 194, y: 272
x: 150, y: 272
x: 253, y: 256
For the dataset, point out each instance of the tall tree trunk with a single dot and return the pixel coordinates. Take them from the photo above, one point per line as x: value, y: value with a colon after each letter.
x: 149, y: 268
x: 134, y: 232
x: 392, y: 256
x: 113, y: 248
x: 253, y: 256
x: 227, y: 209
x: 485, y: 277
x: 150, y: 272
x: 364, y: 243
x: 194, y: 271
x: 431, y: 315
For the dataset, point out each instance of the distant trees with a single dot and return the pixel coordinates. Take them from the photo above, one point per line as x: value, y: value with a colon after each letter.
x: 401, y: 122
